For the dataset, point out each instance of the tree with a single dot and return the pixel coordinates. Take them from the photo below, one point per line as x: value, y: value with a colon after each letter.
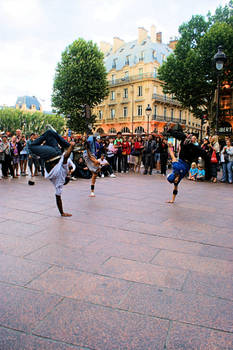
x: 12, y: 119
x: 80, y: 81
x: 190, y: 72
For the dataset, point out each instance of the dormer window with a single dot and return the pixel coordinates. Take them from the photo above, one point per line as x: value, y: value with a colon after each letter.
x: 114, y: 63
x: 141, y: 57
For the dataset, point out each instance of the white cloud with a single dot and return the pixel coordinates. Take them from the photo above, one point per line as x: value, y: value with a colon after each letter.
x: 21, y: 12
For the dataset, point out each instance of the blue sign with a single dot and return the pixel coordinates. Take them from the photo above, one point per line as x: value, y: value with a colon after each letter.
x: 69, y: 132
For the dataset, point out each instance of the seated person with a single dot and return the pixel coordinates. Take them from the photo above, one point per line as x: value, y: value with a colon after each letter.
x: 193, y: 171
x: 201, y: 173
x: 82, y: 170
x: 106, y: 168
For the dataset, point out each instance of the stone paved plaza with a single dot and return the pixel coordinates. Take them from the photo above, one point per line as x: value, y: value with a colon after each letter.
x: 126, y: 271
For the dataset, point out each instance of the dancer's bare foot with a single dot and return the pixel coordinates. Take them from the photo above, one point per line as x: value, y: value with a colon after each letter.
x: 171, y: 201
x: 66, y: 214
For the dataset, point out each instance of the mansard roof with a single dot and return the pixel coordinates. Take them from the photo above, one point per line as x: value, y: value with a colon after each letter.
x: 130, y: 53
x: 29, y: 101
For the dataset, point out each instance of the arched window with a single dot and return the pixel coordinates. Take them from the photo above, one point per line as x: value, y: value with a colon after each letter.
x: 100, y: 131
x: 112, y: 131
x: 139, y: 130
x: 125, y: 130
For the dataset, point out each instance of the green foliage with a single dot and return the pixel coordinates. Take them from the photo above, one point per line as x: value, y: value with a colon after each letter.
x: 190, y: 73
x: 80, y: 79
x: 12, y: 119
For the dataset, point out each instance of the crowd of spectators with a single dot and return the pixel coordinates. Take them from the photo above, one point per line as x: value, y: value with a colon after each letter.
x: 122, y: 154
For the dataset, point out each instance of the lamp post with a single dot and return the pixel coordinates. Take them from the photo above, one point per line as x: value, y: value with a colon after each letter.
x: 220, y: 59
x: 148, y: 112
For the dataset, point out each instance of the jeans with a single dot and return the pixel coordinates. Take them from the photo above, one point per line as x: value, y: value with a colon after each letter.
x: 125, y: 162
x: 227, y: 170
x: 51, y: 147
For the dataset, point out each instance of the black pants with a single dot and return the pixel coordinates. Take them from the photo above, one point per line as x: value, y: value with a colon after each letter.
x: 6, y: 166
x: 111, y: 161
x: 106, y: 170
x: 125, y: 162
x: 149, y: 161
x: 163, y: 164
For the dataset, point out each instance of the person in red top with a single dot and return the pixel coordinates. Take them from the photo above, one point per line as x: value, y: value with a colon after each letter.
x: 138, y: 148
x: 126, y: 149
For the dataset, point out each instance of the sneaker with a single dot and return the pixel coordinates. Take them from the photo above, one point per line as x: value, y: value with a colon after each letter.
x: 102, y: 175
x: 112, y: 175
x: 74, y: 178
x: 92, y: 194
x: 122, y: 171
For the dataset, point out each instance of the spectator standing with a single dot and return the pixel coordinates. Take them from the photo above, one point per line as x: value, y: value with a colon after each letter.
x: 15, y: 155
x: 118, y: 146
x: 125, y: 154
x: 23, y: 156
x: 163, y: 156
x: 214, y: 157
x: 206, y: 147
x: 149, y: 151
x: 228, y: 162
x: 5, y: 148
x: 157, y: 153
x: 138, y: 148
x: 111, y: 152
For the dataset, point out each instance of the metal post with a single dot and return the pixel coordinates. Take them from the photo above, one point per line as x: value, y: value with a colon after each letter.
x: 218, y: 101
x: 148, y: 124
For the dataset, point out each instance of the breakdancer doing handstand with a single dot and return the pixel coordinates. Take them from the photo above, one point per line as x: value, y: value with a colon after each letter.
x: 56, y: 168
x: 188, y: 153
x: 93, y: 164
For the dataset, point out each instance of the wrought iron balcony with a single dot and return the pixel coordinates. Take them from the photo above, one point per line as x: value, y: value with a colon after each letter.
x: 165, y: 99
x: 162, y: 118
x: 131, y: 79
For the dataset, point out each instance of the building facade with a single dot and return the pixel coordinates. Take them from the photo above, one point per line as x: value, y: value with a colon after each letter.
x: 133, y: 85
x: 28, y: 103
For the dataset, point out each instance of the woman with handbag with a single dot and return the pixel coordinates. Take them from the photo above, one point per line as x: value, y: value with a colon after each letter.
x: 214, y: 157
x: 138, y: 148
x: 5, y: 151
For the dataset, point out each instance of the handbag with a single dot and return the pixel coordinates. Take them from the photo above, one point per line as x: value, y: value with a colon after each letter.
x: 214, y: 159
x: 135, y: 153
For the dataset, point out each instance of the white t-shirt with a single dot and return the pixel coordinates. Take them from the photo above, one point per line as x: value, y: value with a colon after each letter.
x: 103, y: 162
x: 58, y: 174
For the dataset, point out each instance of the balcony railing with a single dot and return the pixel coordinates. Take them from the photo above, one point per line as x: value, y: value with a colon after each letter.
x: 162, y: 118
x: 166, y: 99
x: 131, y: 78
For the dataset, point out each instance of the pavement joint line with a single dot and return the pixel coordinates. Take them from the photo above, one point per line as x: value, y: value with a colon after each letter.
x: 46, y: 338
x: 168, y: 334
x: 158, y: 251
x: 35, y: 250
x: 37, y: 276
x: 38, y: 322
x: 185, y: 280
x: 139, y: 313
x: 178, y: 239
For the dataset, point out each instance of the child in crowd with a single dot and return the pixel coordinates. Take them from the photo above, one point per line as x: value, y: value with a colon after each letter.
x: 201, y: 173
x: 193, y: 171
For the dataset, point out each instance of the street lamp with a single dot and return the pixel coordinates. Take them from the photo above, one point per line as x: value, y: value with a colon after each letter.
x: 220, y: 59
x: 148, y: 112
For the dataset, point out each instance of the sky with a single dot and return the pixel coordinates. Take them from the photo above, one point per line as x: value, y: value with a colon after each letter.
x: 34, y: 33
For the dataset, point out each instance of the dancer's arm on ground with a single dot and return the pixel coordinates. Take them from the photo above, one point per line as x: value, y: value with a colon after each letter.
x: 171, y: 152
x: 58, y: 197
x: 67, y: 153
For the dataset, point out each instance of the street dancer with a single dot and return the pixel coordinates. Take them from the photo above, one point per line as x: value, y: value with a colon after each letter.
x: 188, y: 153
x: 56, y: 168
x: 92, y: 163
